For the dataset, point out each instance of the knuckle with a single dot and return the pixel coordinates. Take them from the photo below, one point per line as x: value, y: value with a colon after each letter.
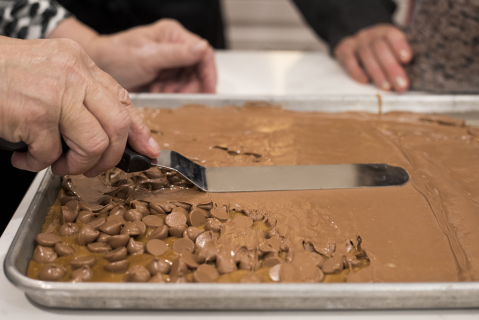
x: 122, y: 124
x: 98, y: 145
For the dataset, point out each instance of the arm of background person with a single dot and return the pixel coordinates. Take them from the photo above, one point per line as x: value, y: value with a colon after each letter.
x: 362, y: 37
x: 161, y: 57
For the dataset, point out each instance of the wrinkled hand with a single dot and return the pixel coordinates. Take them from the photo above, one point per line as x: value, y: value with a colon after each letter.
x: 377, y: 53
x: 161, y: 57
x: 51, y: 88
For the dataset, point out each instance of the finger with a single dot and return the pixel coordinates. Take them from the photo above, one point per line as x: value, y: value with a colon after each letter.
x: 139, y: 136
x: 114, y: 119
x: 391, y: 66
x: 207, y: 72
x: 157, y: 86
x: 173, y: 55
x: 44, y: 150
x: 85, y: 137
x: 345, y: 53
x: 398, y: 42
x: 194, y: 85
x: 373, y: 68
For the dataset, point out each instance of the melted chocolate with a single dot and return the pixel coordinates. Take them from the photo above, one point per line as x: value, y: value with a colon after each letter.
x: 423, y: 231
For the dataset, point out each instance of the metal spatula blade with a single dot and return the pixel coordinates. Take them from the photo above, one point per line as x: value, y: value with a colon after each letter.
x: 261, y: 178
x: 274, y: 178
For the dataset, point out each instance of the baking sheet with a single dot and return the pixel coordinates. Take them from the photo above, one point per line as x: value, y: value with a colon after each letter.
x: 244, y: 296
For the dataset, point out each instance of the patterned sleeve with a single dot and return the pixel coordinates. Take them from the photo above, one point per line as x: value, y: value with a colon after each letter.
x: 30, y: 19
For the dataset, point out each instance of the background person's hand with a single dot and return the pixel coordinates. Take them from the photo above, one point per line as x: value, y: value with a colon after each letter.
x: 377, y: 53
x: 161, y: 57
x: 51, y: 88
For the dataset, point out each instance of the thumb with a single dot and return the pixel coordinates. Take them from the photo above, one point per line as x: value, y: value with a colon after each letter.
x: 175, y: 55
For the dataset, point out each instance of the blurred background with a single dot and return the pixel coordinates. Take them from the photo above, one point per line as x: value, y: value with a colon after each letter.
x: 275, y: 25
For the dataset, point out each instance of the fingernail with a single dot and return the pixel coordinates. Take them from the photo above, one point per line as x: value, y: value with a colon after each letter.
x: 404, y: 54
x: 385, y: 85
x: 155, y: 148
x: 199, y: 47
x: 401, y: 81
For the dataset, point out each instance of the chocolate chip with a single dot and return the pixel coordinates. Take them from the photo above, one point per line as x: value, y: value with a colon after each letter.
x: 275, y: 243
x: 85, y: 206
x: 254, y: 214
x: 208, y: 253
x: 135, y: 247
x: 284, y: 272
x: 118, y: 241
x: 205, y: 237
x: 333, y: 265
x: 213, y: 225
x: 152, y: 221
x: 310, y: 273
x: 103, y: 237
x: 275, y: 273
x: 117, y: 266
x: 225, y: 261
x: 74, y: 206
x: 205, y: 273
x: 156, y: 247
x: 63, y: 249
x: 158, y: 266
x: 134, y: 229
x: 271, y: 262
x: 83, y: 261
x: 206, y: 206
x: 154, y: 174
x: 133, y: 215
x: 155, y: 208
x: 81, y: 274
x: 52, y: 272
x: 87, y: 235
x: 165, y: 206
x: 67, y: 215
x: 85, y: 216
x: 48, y: 239
x: 244, y: 259
x: 117, y: 211
x: 271, y: 222
x: 65, y: 200
x: 189, y: 259
x: 137, y: 274
x: 183, y: 205
x: 44, y: 255
x: 196, y: 218
x: 116, y: 255
x: 160, y: 233
x: 178, y: 269
x: 221, y: 213
x: 180, y: 210
x: 116, y: 218
x: 97, y: 222
x: 192, y: 233
x: 157, y: 278
x: 99, y: 247
x: 175, y: 219
x: 111, y: 227
x: 177, y: 231
x: 251, y: 278
x: 68, y: 229
x: 183, y: 244
x: 243, y: 222
x: 140, y: 207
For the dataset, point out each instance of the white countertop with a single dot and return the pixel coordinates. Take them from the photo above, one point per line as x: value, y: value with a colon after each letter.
x: 240, y: 73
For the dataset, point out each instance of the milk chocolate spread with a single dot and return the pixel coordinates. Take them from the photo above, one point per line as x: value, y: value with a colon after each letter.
x: 154, y: 226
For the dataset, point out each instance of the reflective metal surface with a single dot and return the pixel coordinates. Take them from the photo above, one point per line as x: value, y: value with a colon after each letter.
x: 283, y: 178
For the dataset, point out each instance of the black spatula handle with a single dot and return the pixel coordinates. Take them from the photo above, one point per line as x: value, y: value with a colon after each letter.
x: 131, y: 161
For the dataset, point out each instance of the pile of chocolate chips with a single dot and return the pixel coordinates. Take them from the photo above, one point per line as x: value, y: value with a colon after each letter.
x: 181, y: 242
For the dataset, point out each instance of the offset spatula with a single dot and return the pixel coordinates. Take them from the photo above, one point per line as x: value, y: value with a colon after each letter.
x: 261, y: 178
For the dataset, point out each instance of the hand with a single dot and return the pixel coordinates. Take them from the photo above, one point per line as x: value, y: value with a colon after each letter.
x: 377, y: 53
x: 161, y: 57
x: 51, y: 88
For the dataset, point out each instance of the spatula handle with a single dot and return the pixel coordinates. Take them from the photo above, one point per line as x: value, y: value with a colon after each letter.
x: 131, y: 161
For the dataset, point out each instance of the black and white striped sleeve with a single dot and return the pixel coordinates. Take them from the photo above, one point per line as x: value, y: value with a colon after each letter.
x: 30, y: 19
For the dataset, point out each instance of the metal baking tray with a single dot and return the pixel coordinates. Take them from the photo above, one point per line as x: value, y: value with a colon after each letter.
x: 244, y: 296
